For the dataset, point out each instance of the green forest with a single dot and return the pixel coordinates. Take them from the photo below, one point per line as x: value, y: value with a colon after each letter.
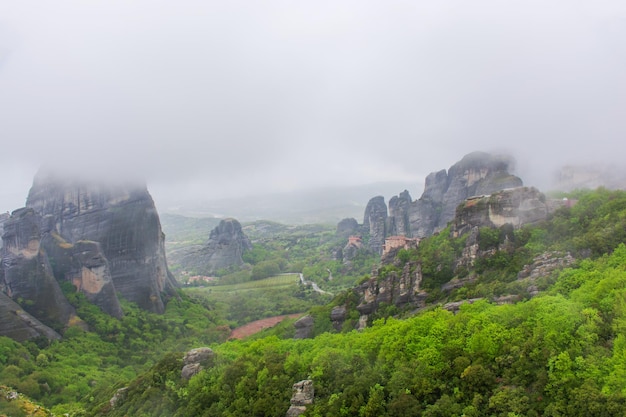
x: 560, y: 352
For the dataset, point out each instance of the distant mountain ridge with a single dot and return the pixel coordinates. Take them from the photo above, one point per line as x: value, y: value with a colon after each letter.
x: 325, y: 205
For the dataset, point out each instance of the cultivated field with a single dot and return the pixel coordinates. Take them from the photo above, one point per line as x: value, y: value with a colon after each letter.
x: 278, y: 281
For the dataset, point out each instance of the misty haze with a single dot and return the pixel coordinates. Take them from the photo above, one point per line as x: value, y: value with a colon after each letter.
x: 313, y: 208
x: 215, y: 100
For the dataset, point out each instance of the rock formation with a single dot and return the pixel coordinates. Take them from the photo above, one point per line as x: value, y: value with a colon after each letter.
x: 27, y: 272
x: 122, y: 218
x: 399, y: 206
x: 514, y: 206
x: 507, y: 209
x: 304, y: 327
x: 347, y: 227
x: 391, y: 289
x: 103, y: 239
x: 224, y: 249
x: 303, y: 395
x: 375, y: 223
x: 195, y: 360
x: 352, y: 248
x: 476, y: 174
x: 19, y: 325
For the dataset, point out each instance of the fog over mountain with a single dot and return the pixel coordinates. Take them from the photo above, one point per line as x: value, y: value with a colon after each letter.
x: 216, y: 99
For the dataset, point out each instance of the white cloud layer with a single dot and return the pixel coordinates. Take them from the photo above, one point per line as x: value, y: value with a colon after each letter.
x: 227, y: 98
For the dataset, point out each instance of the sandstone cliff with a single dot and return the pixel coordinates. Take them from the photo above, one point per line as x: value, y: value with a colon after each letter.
x: 123, y: 220
x: 102, y: 239
x: 514, y: 206
x: 476, y: 174
x: 224, y: 249
x: 399, y: 282
x: 27, y: 272
x: 375, y: 223
x: 19, y: 325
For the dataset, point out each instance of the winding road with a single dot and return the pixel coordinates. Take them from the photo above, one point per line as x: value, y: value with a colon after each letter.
x: 314, y: 285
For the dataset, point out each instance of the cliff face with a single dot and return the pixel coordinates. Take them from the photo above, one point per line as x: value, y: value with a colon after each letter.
x: 103, y: 240
x: 19, y: 325
x: 399, y: 223
x: 476, y: 174
x: 511, y: 207
x: 118, y: 229
x: 515, y: 206
x: 225, y: 247
x: 394, y: 288
x: 375, y: 223
x: 27, y: 273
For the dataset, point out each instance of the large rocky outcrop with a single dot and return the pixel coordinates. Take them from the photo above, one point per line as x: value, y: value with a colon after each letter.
x: 122, y: 223
x: 303, y: 394
x: 476, y: 174
x: 224, y: 249
x: 393, y: 288
x: 375, y: 223
x: 103, y: 239
x: 27, y: 273
x: 304, y: 327
x: 514, y: 206
x: 398, y: 222
x: 507, y: 209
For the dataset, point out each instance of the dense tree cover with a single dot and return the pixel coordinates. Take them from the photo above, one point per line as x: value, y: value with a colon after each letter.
x: 562, y: 353
x: 559, y: 354
x: 67, y: 374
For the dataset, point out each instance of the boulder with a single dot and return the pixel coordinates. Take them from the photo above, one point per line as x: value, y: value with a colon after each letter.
x: 338, y: 316
x: 195, y: 360
x: 118, y: 397
x: 304, y: 327
x: 198, y: 355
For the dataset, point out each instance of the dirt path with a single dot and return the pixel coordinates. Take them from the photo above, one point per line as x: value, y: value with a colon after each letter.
x: 257, y: 326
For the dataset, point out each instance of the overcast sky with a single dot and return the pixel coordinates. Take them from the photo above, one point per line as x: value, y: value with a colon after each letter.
x: 229, y: 98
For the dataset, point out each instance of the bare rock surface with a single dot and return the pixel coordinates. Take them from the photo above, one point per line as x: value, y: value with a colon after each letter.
x: 225, y: 247
x: 122, y: 218
x: 304, y: 327
x: 195, y: 360
x: 103, y: 239
x: 303, y: 395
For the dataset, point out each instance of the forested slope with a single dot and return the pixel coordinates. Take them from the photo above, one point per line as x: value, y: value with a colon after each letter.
x: 558, y: 352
